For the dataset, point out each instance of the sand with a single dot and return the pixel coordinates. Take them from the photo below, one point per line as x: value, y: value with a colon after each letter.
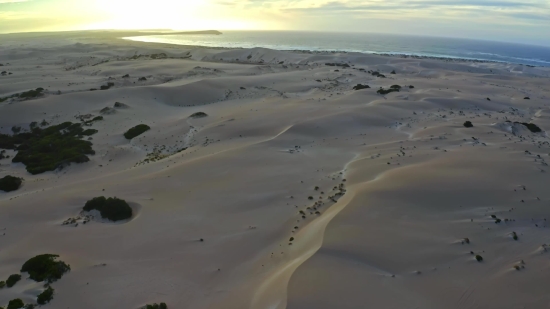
x: 401, y: 182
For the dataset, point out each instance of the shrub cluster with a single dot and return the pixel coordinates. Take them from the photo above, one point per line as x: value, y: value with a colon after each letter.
x: 136, y: 131
x: 199, y: 115
x: 47, y: 149
x: 45, y: 267
x: 360, y: 86
x: 12, y: 280
x: 156, y: 306
x: 111, y: 208
x: 10, y: 183
x: 46, y: 296
x: 394, y: 88
x: 468, y: 124
x: 25, y: 95
x: 15, y: 304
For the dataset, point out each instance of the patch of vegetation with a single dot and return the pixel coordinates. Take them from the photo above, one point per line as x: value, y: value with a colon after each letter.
x: 120, y: 105
x: 411, y: 87
x: 531, y: 126
x: 514, y: 236
x: 394, y: 88
x: 468, y: 124
x: 46, y: 296
x: 156, y: 306
x: 199, y: 115
x: 111, y: 208
x: 12, y: 280
x: 45, y: 267
x: 142, y: 79
x: 90, y: 122
x: 136, y: 131
x: 377, y: 74
x: 393, y: 72
x: 89, y: 132
x: 43, y: 150
x: 26, y: 95
x: 527, y: 98
x: 15, y: 304
x: 105, y: 87
x: 10, y: 183
x: 126, y: 76
x: 479, y: 258
x: 159, y: 56
x: 360, y: 86
x: 2, y: 284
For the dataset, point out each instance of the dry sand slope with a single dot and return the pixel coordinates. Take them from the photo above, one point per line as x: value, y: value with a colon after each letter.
x: 377, y: 192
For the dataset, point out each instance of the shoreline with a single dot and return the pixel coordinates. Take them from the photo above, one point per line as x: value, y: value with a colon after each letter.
x: 328, y: 52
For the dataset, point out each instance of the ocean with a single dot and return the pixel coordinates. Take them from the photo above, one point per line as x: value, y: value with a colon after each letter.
x: 366, y: 43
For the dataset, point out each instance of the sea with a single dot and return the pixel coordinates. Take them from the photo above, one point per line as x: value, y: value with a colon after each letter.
x: 366, y: 43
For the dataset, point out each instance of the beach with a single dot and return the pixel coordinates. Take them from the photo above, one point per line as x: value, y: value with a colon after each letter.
x: 299, y: 186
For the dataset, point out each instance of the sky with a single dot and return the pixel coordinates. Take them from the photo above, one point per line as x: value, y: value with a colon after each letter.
x: 522, y: 21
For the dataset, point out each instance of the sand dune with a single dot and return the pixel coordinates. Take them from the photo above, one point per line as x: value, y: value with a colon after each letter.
x: 294, y: 191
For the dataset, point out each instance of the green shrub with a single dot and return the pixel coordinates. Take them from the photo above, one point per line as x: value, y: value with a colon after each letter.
x: 2, y: 284
x: 45, y: 267
x: 46, y: 296
x: 89, y: 132
x: 386, y: 91
x: 468, y: 124
x: 31, y: 93
x: 199, y: 115
x: 15, y: 304
x: 12, y: 280
x: 136, y: 131
x: 479, y: 258
x: 360, y: 86
x: 10, y: 183
x: 47, y: 149
x: 113, y: 209
x: 531, y: 126
x: 157, y: 306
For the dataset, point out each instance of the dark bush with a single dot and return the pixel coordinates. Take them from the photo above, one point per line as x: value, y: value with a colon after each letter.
x: 126, y: 76
x: 393, y: 72
x: 113, y: 209
x: 2, y: 284
x: 359, y: 87
x: 47, y: 149
x: 142, y: 79
x: 532, y: 127
x: 411, y: 87
x: 46, y: 296
x: 89, y: 132
x: 136, y: 131
x: 31, y: 93
x: 15, y: 304
x: 468, y: 124
x: 45, y: 267
x: 10, y: 183
x: 120, y: 105
x: 395, y: 87
x: 479, y: 258
x: 12, y: 280
x: 157, y: 306
x: 199, y: 115
x: 386, y: 91
x: 527, y: 98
